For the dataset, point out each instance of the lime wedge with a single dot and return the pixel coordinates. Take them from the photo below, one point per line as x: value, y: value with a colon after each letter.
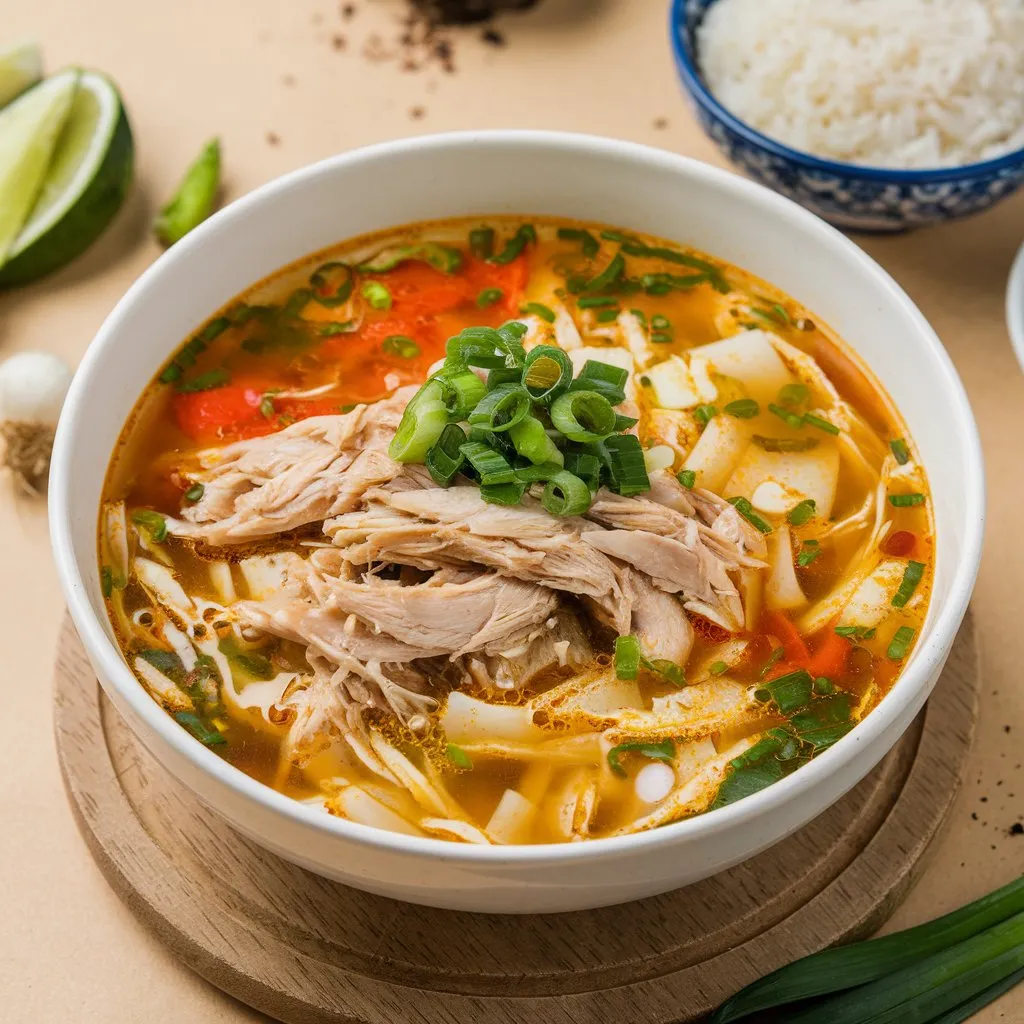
x: 20, y: 67
x: 85, y: 184
x: 29, y: 129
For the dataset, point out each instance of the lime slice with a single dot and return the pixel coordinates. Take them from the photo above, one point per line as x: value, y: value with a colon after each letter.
x: 85, y: 184
x: 20, y: 67
x: 29, y: 129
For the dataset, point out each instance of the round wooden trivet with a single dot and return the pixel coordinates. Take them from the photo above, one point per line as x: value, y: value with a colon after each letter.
x: 310, y: 951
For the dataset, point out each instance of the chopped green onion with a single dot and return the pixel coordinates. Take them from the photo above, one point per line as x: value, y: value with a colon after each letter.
x: 331, y: 284
x: 769, y: 316
x: 758, y: 767
x: 596, y: 301
x: 745, y: 509
x: 199, y: 729
x: 793, y: 395
x: 821, y: 424
x: 667, y: 669
x: 900, y: 451
x: 590, y: 245
x: 194, y: 493
x: 566, y: 495
x: 855, y: 632
x: 267, y: 409
x: 251, y: 662
x: 789, y: 692
x: 490, y: 466
x: 400, y: 345
x: 809, y: 551
x: 106, y: 581
x: 167, y: 662
x: 502, y: 408
x: 911, y: 578
x: 618, y: 236
x: 440, y: 257
x: 743, y: 408
x: 329, y: 330
x: 205, y: 381
x: 661, y: 338
x: 609, y: 277
x: 824, y: 687
x: 664, y: 751
x: 900, y: 643
x: 606, y: 316
x: 627, y: 657
x: 773, y: 659
x: 376, y: 294
x: 532, y: 442
x: 489, y: 296
x: 445, y: 458
x: 623, y: 457
x: 640, y: 315
x: 481, y: 243
x: 503, y: 375
x: 296, y: 303
x: 604, y: 378
x: 661, y: 323
x: 539, y: 309
x: 906, y: 500
x: 152, y: 522
x: 424, y: 419
x: 803, y: 512
x: 716, y: 668
x: 515, y: 245
x: 634, y: 247
x: 785, y: 444
x: 687, y: 477
x: 503, y: 494
x: 704, y: 414
x: 542, y: 471
x: 462, y: 391
x: 789, y: 418
x: 583, y: 416
x: 458, y: 756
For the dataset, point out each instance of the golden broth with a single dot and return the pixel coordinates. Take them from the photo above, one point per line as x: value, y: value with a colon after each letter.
x: 240, y: 382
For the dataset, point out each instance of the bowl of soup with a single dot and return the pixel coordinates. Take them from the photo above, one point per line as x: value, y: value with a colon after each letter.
x: 516, y: 521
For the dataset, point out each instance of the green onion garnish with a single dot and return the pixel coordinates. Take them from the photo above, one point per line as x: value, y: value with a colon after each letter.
x: 587, y: 467
x: 623, y: 458
x: 205, y: 381
x: 376, y: 294
x: 743, y: 408
x: 825, y: 687
x: 445, y: 458
x: 331, y: 329
x: 607, y: 316
x: 503, y: 494
x: 821, y: 424
x: 785, y: 444
x: 789, y: 418
x: 424, y: 419
x: 267, y: 409
x: 809, y: 551
x: 687, y: 477
x: 596, y: 301
x: 604, y: 378
x: 539, y: 309
x: 664, y: 751
x: 440, y: 257
x: 532, y: 442
x: 400, y: 345
x: 194, y: 493
x: 458, y: 756
x: 583, y: 416
x: 481, y: 243
x: 667, y: 669
x: 793, y: 395
x: 661, y: 338
x: 627, y: 657
x: 745, y: 509
x: 703, y: 414
x: 489, y: 296
x: 199, y: 729
x: 906, y: 500
x: 855, y: 632
x: 515, y: 245
x: 566, y: 495
x: 774, y: 316
x: 462, y: 390
x: 502, y: 408
x: 590, y: 245
x: 331, y: 284
x: 789, y: 692
x: 609, y: 277
x: 901, y: 641
x: 900, y: 451
x: 547, y: 373
x: 106, y: 581
x: 911, y: 578
x: 490, y: 466
x: 803, y: 512
x: 152, y: 522
x: 718, y: 667
x: 773, y: 659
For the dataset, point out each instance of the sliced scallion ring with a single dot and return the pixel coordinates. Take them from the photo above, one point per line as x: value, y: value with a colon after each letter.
x: 331, y: 283
x: 502, y: 408
x: 583, y: 416
x: 547, y: 373
x: 424, y: 419
x: 445, y: 458
x: 463, y: 390
x: 532, y: 442
x: 515, y: 245
x: 490, y: 466
x: 627, y: 657
x: 566, y: 495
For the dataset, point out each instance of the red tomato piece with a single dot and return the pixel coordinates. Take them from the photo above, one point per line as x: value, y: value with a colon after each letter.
x: 899, y: 544
x: 222, y: 412
x: 417, y: 289
x: 793, y: 645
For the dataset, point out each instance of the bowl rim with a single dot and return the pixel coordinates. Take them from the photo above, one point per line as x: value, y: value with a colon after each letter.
x: 924, y: 662
x: 693, y: 80
x: 1015, y: 305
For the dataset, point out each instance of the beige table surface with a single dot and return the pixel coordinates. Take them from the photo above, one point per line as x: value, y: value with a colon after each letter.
x: 189, y: 69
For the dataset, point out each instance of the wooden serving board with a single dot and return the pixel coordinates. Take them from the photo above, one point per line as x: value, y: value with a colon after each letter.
x: 310, y: 951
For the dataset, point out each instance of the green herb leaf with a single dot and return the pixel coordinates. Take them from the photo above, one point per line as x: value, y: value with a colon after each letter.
x: 458, y: 756
x: 206, y: 734
x: 400, y: 345
x: 489, y: 296
x: 718, y: 667
x: 539, y: 309
x: 743, y: 408
x: 703, y: 414
x: 912, y: 575
x: 906, y: 500
x: 791, y: 419
x: 515, y: 245
x: 152, y: 522
x: 194, y: 493
x: 627, y: 657
x: 745, y: 509
x: 481, y: 243
x: 900, y: 451
x: 664, y: 751
x: 687, y: 477
x: 376, y: 294
x: 802, y: 513
x: 809, y: 551
x: 794, y: 395
x: 855, y: 632
x: 589, y: 244
x: 785, y: 444
x: 900, y: 643
x: 821, y: 424
x: 789, y: 692
x: 166, y: 662
x: 596, y: 301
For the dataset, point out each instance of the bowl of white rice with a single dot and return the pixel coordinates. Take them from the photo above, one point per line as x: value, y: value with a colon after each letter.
x: 879, y: 115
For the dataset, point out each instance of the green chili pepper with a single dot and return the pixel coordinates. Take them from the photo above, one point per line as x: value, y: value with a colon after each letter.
x: 193, y: 202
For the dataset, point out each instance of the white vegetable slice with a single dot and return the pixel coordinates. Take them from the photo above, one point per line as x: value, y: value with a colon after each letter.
x: 782, y: 589
x: 718, y: 451
x: 162, y: 584
x: 164, y: 688
x: 466, y: 720
x: 512, y: 818
x: 453, y: 829
x: 264, y: 574
x: 220, y: 576
x: 750, y: 358
x: 673, y: 386
x: 425, y: 793
x: 813, y: 474
x: 357, y: 805
x: 871, y: 602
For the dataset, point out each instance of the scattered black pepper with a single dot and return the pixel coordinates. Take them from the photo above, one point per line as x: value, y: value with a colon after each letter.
x: 661, y: 123
x: 467, y: 12
x: 984, y: 799
x: 1017, y: 829
x: 1006, y: 728
x: 338, y: 42
x: 974, y: 816
x: 273, y: 139
x: 492, y: 36
x: 417, y: 112
x: 347, y: 11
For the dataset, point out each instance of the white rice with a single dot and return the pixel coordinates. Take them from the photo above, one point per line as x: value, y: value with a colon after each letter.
x: 889, y: 83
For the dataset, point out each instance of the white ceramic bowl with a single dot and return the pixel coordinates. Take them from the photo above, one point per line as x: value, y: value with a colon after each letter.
x: 1015, y: 306
x: 531, y: 173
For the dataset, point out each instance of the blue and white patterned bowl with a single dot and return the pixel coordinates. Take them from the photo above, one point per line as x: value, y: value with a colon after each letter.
x: 847, y: 195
